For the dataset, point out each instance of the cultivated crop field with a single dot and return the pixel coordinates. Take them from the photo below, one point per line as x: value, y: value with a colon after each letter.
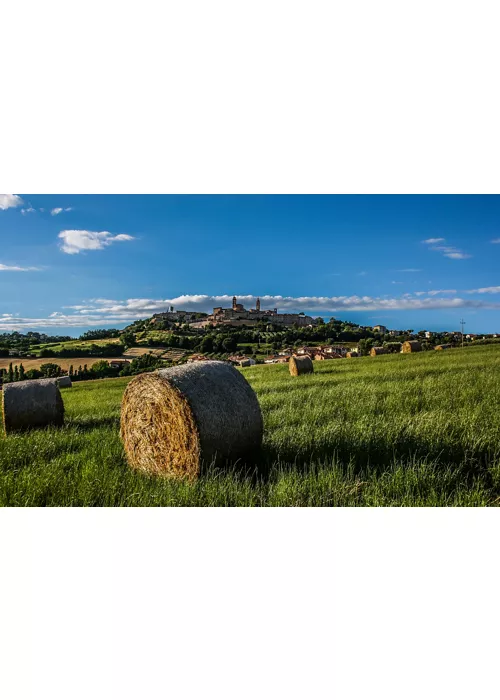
x: 397, y: 430
x: 63, y: 362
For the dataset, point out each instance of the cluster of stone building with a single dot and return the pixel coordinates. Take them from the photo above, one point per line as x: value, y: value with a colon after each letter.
x: 237, y: 315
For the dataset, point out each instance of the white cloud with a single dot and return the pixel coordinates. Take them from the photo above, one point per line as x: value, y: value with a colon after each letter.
x: 16, y: 268
x: 75, y: 241
x: 496, y: 240
x: 106, y: 312
x: 451, y: 252
x: 8, y: 201
x: 448, y: 251
x: 58, y: 210
x: 28, y: 210
x: 409, y: 269
x: 485, y: 290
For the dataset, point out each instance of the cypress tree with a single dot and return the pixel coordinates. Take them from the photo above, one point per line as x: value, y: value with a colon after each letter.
x: 22, y: 373
x: 10, y: 373
x: 16, y: 373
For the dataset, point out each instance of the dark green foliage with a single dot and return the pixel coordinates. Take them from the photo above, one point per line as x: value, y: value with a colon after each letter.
x: 50, y: 369
x: 100, y: 334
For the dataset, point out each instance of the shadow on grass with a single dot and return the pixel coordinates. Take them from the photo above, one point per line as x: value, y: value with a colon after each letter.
x: 88, y: 424
x: 375, y: 457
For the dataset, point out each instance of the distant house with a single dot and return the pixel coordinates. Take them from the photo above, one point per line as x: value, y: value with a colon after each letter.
x: 380, y: 329
x: 307, y: 350
x: 118, y: 364
x: 241, y: 360
x: 198, y: 358
x: 277, y: 359
x: 323, y: 355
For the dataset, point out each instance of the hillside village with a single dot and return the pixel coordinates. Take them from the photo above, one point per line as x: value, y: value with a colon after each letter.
x: 237, y: 335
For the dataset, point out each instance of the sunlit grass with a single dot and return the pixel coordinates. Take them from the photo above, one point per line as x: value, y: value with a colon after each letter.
x: 402, y: 430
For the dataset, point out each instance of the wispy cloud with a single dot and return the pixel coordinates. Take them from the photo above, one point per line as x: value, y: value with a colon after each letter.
x: 27, y: 210
x: 16, y: 268
x: 485, y: 290
x: 10, y: 201
x: 496, y: 240
x: 448, y: 251
x: 409, y: 269
x: 59, y: 210
x: 74, y: 242
x: 434, y: 292
x: 108, y: 312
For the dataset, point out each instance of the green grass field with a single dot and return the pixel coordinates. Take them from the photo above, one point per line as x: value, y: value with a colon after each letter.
x: 403, y: 430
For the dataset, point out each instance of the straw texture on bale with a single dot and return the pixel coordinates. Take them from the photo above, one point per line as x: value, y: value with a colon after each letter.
x: 378, y: 351
x: 32, y: 404
x: 300, y: 365
x: 64, y: 382
x: 411, y: 346
x: 174, y: 420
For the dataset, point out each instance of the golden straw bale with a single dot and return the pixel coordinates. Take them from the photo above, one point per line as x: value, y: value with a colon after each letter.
x: 175, y: 420
x: 301, y: 364
x: 411, y: 346
x: 378, y: 351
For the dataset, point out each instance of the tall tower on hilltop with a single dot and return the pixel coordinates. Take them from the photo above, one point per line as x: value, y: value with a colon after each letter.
x: 257, y: 305
x: 234, y: 303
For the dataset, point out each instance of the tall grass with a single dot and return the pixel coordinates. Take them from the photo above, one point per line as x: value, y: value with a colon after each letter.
x: 407, y: 430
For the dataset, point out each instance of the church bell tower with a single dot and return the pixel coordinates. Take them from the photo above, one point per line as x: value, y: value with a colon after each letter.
x: 257, y: 305
x: 234, y: 303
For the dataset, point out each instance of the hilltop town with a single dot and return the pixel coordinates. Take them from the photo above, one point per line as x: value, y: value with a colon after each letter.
x: 236, y: 316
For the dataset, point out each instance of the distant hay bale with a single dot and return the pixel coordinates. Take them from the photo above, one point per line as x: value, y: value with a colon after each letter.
x: 300, y: 365
x: 442, y: 347
x: 64, y: 382
x: 411, y: 346
x: 32, y: 404
x: 352, y: 353
x: 176, y: 419
x: 378, y: 351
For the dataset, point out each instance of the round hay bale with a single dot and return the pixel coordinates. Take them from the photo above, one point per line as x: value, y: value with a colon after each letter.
x: 64, y: 382
x: 32, y: 404
x: 411, y: 346
x: 300, y: 365
x: 353, y: 353
x: 378, y: 351
x: 176, y: 419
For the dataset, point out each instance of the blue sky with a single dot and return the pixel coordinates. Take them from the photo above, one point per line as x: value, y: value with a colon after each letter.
x: 73, y: 262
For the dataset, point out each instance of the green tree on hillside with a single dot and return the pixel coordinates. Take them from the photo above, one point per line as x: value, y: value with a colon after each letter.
x: 50, y: 370
x: 22, y: 373
x: 128, y: 339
